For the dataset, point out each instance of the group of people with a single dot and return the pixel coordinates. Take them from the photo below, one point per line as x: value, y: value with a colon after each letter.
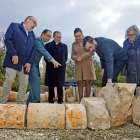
x: 24, y: 52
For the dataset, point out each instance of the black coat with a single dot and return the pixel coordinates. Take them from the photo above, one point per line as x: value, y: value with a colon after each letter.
x: 55, y: 77
x: 132, y: 69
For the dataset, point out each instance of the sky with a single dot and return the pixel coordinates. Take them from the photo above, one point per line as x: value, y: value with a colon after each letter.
x: 96, y: 18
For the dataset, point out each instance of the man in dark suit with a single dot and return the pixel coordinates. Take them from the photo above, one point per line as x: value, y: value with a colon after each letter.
x: 21, y: 47
x: 55, y: 77
x: 112, y: 57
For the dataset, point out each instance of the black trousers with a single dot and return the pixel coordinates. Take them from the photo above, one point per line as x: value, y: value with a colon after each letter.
x: 117, y: 68
x: 59, y: 94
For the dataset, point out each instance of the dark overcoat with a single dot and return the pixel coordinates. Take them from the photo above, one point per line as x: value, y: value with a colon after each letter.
x: 132, y: 68
x: 55, y: 77
x: 19, y: 44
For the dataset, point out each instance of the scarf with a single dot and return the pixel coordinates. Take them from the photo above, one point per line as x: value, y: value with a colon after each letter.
x: 132, y: 42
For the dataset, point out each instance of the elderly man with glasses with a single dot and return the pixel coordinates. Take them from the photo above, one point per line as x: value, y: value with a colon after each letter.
x: 34, y: 95
x: 112, y: 57
x: 21, y: 47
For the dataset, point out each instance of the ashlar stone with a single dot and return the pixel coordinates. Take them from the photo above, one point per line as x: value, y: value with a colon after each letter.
x: 136, y: 110
x: 97, y: 114
x: 12, y: 116
x: 118, y: 97
x: 42, y: 115
x: 76, y: 116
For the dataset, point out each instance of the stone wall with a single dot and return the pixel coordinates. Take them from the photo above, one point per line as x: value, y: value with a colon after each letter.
x: 115, y: 103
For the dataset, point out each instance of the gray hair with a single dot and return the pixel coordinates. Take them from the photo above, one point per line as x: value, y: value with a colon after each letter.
x: 133, y: 27
x: 28, y: 17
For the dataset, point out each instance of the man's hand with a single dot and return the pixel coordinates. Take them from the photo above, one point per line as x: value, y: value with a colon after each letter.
x: 55, y: 63
x: 15, y: 59
x: 79, y: 58
x: 28, y: 67
x: 102, y: 72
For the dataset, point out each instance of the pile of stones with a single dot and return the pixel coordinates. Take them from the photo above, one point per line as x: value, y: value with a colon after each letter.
x: 111, y: 108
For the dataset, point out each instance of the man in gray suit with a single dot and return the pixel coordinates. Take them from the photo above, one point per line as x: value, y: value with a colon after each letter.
x: 34, y: 95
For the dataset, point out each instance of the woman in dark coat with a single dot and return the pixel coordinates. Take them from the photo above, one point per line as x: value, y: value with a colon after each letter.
x: 132, y: 47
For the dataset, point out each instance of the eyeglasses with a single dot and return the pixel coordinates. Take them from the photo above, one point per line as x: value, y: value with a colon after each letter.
x: 34, y: 22
x: 130, y: 35
x: 48, y: 36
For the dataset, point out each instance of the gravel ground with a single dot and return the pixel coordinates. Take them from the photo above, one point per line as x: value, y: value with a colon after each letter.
x: 129, y: 131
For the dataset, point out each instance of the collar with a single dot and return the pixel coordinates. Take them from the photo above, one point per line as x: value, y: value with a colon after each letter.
x: 25, y: 29
x: 56, y: 43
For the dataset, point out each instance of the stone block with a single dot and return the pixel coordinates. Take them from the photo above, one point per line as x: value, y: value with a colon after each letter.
x: 26, y: 97
x: 42, y: 98
x: 43, y: 89
x: 96, y: 91
x: 12, y: 116
x: 71, y: 95
x: 64, y: 97
x: 118, y: 97
x: 77, y: 94
x: 138, y: 91
x: 12, y: 96
x: 46, y: 96
x: 42, y: 115
x: 76, y: 116
x: 136, y: 110
x: 97, y: 114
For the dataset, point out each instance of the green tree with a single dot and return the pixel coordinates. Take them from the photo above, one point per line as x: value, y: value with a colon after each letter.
x: 70, y: 68
x: 2, y: 55
x: 98, y: 69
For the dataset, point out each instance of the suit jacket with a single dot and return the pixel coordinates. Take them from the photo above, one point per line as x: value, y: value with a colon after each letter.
x: 109, y: 52
x: 19, y: 44
x: 40, y: 51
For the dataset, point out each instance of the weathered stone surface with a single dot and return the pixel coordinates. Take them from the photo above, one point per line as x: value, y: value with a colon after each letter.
x: 64, y: 97
x: 92, y: 91
x: 76, y: 116
x: 136, y: 110
x: 12, y: 96
x: 56, y: 96
x: 84, y: 92
x: 96, y: 91
x: 43, y: 89
x: 77, y: 94
x: 26, y: 97
x: 42, y: 98
x: 46, y: 96
x: 130, y: 111
x: 138, y: 91
x: 42, y: 115
x: 97, y: 114
x: 12, y: 116
x: 118, y: 97
x: 71, y: 96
